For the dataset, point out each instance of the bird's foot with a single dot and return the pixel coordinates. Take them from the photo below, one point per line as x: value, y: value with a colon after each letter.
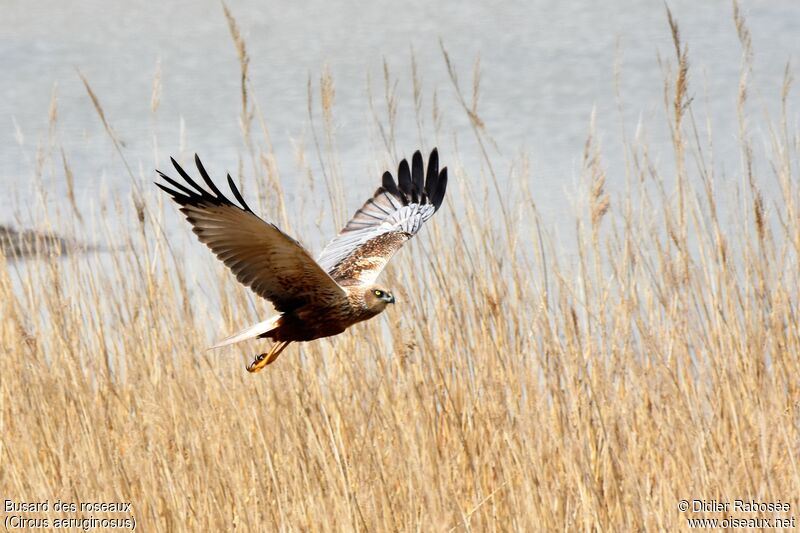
x: 267, y: 358
x: 258, y: 363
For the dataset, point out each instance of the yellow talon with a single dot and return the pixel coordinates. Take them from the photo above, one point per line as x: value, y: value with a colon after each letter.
x: 264, y: 359
x: 258, y: 363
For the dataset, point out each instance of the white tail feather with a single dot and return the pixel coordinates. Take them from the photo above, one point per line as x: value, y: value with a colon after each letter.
x: 248, y: 333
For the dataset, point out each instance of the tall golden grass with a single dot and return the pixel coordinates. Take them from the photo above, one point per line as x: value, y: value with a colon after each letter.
x: 510, y: 389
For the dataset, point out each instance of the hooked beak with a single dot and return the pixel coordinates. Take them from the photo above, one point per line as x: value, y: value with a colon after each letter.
x: 391, y: 299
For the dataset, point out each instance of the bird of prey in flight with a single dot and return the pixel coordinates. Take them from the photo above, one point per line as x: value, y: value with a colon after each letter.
x: 319, y: 298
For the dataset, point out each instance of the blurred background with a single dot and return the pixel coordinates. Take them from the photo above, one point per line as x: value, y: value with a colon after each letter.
x: 545, y: 66
x: 635, y: 348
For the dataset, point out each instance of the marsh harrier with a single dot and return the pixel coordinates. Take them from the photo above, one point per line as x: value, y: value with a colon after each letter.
x: 319, y: 298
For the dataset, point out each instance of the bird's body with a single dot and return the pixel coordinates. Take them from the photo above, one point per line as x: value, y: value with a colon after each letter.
x: 320, y: 298
x: 303, y: 324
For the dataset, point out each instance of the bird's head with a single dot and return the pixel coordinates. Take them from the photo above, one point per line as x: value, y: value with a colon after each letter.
x: 377, y: 298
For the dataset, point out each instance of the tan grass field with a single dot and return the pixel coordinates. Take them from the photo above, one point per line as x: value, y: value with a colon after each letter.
x: 509, y: 390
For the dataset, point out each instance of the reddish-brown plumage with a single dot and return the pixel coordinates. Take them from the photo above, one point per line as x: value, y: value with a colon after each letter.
x: 305, y: 323
x: 314, y: 298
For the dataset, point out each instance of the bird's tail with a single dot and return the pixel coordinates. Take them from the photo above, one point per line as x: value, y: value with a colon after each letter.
x: 264, y: 359
x: 249, y: 333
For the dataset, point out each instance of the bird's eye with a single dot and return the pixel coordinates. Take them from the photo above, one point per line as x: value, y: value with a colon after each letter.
x: 378, y: 293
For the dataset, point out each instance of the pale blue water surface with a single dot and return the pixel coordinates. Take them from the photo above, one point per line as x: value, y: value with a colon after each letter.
x: 545, y: 66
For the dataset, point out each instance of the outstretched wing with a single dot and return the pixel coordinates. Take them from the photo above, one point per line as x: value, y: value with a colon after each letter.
x: 265, y: 259
x: 393, y: 215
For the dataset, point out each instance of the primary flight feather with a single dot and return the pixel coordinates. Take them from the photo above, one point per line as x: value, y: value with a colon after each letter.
x: 319, y: 298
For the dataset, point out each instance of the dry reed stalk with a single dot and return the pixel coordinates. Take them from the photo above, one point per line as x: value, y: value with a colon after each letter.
x: 246, y: 117
x: 647, y: 372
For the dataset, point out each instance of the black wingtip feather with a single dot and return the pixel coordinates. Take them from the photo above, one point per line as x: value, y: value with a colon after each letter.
x: 432, y: 177
x: 389, y: 184
x: 184, y: 195
x: 184, y: 190
x: 206, y: 178
x: 202, y: 192
x: 404, y: 177
x: 417, y: 177
x: 415, y: 183
x: 175, y: 195
x: 441, y: 187
x: 237, y: 194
